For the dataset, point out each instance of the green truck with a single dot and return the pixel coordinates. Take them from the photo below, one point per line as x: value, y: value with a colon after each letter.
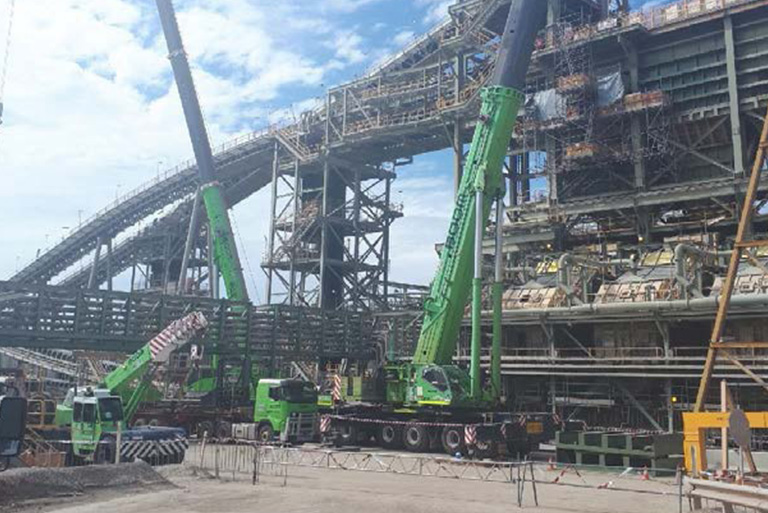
x: 94, y: 420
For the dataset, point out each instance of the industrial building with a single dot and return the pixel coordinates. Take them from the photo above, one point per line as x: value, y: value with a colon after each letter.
x: 624, y: 184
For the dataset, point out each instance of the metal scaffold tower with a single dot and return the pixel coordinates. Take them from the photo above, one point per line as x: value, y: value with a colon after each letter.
x: 329, y: 235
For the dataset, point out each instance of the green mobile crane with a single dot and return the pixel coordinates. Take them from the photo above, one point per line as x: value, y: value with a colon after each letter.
x: 282, y: 407
x: 92, y: 418
x: 431, y: 392
x: 461, y: 259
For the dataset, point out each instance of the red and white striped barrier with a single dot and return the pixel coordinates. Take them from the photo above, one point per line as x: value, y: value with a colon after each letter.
x: 336, y: 391
x: 470, y: 435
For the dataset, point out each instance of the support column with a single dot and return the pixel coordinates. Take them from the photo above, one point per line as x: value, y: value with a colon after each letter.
x: 497, y: 292
x: 458, y: 145
x: 96, y: 256
x: 733, y: 96
x: 324, y: 235
x: 636, y: 128
x: 110, y: 279
x: 477, y: 296
x: 272, y: 222
x: 458, y: 156
x: 670, y: 405
x: 553, y: 11
x: 192, y: 233
x: 292, y: 300
x: 525, y: 177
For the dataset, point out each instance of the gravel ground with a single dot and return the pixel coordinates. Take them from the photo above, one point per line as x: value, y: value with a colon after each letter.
x: 335, y: 491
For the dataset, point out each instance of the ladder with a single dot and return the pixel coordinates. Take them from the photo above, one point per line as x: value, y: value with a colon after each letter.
x: 743, y: 243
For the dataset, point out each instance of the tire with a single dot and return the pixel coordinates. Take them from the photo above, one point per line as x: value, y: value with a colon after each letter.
x: 223, y: 430
x: 390, y: 436
x: 347, y: 433
x: 416, y: 438
x: 106, y: 451
x: 452, y: 439
x: 153, y: 423
x: 4, y: 464
x: 139, y: 423
x: 485, y: 449
x: 266, y: 433
x: 205, y: 428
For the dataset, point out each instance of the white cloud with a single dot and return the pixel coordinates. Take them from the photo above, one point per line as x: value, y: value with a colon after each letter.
x: 436, y: 9
x: 91, y: 108
x: 403, y: 37
x: 428, y: 200
x: 347, y: 45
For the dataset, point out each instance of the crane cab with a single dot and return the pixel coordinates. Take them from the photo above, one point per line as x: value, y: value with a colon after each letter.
x: 91, y: 415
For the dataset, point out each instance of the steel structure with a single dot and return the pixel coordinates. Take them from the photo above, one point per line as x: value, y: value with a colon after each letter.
x: 625, y: 186
x: 52, y: 317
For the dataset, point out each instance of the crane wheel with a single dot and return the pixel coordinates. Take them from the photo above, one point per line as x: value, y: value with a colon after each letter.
x: 347, y: 433
x: 205, y: 428
x: 485, y: 449
x: 452, y: 439
x: 416, y: 438
x: 266, y: 433
x: 390, y: 436
x: 223, y: 429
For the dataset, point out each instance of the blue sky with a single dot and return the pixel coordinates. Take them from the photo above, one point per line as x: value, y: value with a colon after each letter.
x: 91, y: 113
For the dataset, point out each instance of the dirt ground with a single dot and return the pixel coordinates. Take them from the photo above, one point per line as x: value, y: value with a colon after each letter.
x: 336, y: 491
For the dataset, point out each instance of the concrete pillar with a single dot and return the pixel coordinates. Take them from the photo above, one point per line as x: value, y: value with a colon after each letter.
x: 733, y: 96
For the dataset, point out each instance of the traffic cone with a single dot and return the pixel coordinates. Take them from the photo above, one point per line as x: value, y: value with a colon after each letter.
x: 645, y: 476
x: 551, y: 466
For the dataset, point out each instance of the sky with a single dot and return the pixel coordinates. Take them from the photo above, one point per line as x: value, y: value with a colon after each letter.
x: 91, y: 110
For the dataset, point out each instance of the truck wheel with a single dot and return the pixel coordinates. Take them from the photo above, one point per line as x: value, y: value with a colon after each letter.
x: 223, y: 430
x: 139, y: 423
x: 416, y: 438
x: 347, y: 433
x: 453, y: 441
x: 266, y: 433
x: 105, y: 453
x: 390, y: 436
x: 485, y: 449
x: 205, y: 428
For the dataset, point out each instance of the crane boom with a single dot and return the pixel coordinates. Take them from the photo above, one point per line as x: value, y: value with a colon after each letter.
x: 224, y: 246
x: 481, y: 184
x: 140, y: 366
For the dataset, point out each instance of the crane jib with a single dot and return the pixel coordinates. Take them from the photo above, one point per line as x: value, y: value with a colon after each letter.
x: 501, y: 101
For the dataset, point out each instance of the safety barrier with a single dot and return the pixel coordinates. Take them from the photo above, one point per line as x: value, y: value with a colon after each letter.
x: 38, y: 452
